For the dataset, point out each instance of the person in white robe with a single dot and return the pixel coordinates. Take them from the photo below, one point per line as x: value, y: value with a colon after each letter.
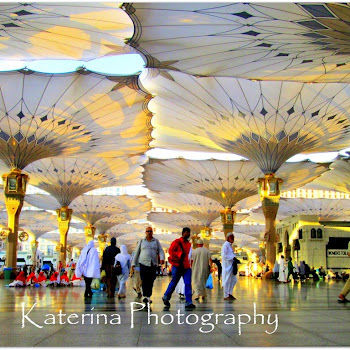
x: 282, y: 277
x: 229, y: 280
x: 88, y: 266
x: 180, y: 287
x: 125, y: 261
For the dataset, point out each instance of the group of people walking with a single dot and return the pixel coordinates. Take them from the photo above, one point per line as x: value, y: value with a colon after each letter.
x: 193, y: 266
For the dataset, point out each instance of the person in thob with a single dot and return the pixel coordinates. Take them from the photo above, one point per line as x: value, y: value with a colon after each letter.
x: 124, y: 258
x: 282, y: 271
x: 229, y: 280
x: 178, y: 257
x: 146, y: 255
x: 201, y: 267
x: 88, y: 266
x: 108, y: 258
x: 346, y: 289
x: 20, y: 280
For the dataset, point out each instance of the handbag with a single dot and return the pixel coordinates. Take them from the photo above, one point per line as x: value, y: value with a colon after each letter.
x: 117, y: 269
x: 209, y: 283
x: 235, y: 263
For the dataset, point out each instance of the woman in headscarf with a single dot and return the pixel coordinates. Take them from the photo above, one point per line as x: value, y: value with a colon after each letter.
x: 20, y: 280
x: 64, y: 279
x: 42, y: 279
x: 54, y: 279
x: 88, y: 266
x: 124, y: 258
x: 31, y: 279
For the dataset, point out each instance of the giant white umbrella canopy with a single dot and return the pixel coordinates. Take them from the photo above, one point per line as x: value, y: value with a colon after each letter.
x: 203, y: 208
x: 177, y: 219
x: 121, y: 229
x: 92, y: 208
x: 266, y: 122
x: 28, y: 217
x: 63, y: 30
x: 324, y: 208
x: 42, y: 201
x: 337, y: 179
x: 73, y: 239
x: 266, y: 41
x: 68, y: 178
x: 227, y: 182
x: 46, y: 115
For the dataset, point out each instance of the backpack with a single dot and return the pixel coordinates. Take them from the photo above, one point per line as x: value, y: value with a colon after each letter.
x: 117, y: 269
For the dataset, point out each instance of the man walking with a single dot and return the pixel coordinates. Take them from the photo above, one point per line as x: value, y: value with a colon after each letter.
x: 229, y: 280
x: 107, y: 265
x: 178, y: 257
x: 146, y: 255
x: 201, y: 267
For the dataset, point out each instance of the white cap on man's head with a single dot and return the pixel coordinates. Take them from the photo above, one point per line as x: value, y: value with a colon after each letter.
x: 229, y: 234
x: 200, y: 241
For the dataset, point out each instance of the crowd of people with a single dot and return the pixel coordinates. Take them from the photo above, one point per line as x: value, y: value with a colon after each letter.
x: 190, y: 270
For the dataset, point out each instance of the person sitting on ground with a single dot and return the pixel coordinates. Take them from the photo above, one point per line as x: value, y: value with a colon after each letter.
x: 77, y: 281
x: 54, y: 280
x: 42, y: 279
x: 20, y: 280
x: 322, y: 272
x: 314, y: 274
x: 31, y: 279
x: 64, y: 279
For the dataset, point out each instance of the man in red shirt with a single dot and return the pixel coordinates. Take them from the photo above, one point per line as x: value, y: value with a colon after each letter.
x: 179, y: 259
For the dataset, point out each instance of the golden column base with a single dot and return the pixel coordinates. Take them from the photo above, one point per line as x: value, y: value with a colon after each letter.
x: 269, y: 190
x: 89, y: 233
x: 228, y: 220
x: 64, y: 215
x: 15, y: 185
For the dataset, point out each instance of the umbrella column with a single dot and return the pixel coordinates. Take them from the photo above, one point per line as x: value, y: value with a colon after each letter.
x: 64, y: 215
x: 228, y: 220
x: 15, y: 184
x: 89, y: 233
x: 34, y: 246
x: 269, y: 190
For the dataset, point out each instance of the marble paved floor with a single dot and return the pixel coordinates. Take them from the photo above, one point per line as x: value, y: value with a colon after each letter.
x: 308, y: 315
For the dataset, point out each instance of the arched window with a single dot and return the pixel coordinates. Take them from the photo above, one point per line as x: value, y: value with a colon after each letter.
x: 301, y: 233
x: 313, y: 233
x: 319, y: 233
